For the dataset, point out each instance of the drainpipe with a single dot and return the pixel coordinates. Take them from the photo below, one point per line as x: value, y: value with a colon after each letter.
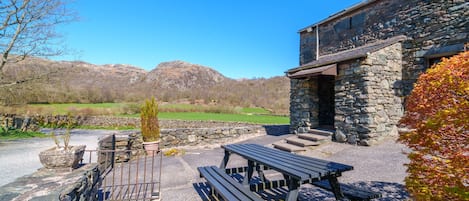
x: 317, y: 42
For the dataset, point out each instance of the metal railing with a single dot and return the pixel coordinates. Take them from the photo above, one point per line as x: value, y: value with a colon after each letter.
x: 136, y: 179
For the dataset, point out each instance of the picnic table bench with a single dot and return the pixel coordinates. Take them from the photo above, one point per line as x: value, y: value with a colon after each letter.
x: 296, y: 170
x: 227, y: 187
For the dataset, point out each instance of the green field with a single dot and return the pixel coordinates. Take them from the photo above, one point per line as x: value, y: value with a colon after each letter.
x: 167, y: 111
x: 248, y: 118
x: 64, y: 108
x: 17, y: 134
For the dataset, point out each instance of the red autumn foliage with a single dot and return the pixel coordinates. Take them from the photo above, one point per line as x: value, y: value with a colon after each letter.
x: 437, y: 112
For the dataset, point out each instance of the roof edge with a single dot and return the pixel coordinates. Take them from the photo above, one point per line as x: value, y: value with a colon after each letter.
x: 340, y: 14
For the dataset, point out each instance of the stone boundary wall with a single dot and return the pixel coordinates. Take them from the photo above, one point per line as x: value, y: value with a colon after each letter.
x: 81, y: 184
x: 31, y: 122
x: 132, y: 140
x: 85, y: 188
x: 110, y: 121
x: 205, y: 136
x: 18, y: 122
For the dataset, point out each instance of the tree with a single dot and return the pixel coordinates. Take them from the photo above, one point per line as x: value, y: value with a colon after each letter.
x: 27, y: 28
x: 437, y: 114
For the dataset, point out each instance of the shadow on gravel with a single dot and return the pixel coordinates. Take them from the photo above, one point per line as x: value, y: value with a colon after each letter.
x: 277, y: 130
x: 389, y: 191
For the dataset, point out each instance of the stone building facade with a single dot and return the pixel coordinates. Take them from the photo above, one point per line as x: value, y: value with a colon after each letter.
x: 357, y: 66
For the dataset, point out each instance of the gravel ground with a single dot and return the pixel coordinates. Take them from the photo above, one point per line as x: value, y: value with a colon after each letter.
x: 378, y: 168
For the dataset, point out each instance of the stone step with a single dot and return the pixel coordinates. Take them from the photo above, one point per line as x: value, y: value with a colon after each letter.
x: 288, y: 147
x: 301, y: 142
x: 314, y: 137
x: 321, y: 132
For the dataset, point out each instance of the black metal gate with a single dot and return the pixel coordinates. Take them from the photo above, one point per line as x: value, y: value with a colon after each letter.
x: 127, y: 178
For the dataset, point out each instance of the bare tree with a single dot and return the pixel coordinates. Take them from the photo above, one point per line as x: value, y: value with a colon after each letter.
x: 28, y: 29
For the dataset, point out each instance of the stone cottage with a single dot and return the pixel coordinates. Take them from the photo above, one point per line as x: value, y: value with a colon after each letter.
x: 358, y: 65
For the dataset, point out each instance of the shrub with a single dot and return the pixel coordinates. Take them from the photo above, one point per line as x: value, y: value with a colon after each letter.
x: 437, y: 114
x: 149, y: 120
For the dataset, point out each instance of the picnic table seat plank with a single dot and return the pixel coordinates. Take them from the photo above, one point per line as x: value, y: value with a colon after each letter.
x: 351, y: 192
x: 301, y: 164
x: 287, y: 168
x: 226, y: 186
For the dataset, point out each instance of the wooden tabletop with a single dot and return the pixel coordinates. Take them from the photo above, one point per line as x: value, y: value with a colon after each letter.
x: 302, y: 168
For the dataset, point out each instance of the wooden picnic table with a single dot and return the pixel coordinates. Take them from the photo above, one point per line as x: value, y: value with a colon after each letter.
x: 296, y: 169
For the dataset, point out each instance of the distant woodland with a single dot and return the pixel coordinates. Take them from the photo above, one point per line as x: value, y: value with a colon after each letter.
x: 176, y: 81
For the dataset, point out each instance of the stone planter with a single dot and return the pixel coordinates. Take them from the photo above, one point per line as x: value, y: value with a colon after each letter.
x: 62, y: 160
x: 151, y: 147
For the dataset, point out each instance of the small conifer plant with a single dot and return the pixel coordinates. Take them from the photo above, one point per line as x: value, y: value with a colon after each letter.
x: 149, y: 120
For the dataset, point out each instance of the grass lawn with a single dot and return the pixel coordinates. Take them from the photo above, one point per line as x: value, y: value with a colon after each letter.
x: 63, y: 108
x: 257, y: 119
x: 16, y: 134
x: 175, y: 111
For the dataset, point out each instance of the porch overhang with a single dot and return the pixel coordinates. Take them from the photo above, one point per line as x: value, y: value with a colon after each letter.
x: 325, y: 65
x: 330, y: 69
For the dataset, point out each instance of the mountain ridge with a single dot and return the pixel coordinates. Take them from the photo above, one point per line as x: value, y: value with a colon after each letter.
x: 78, y: 81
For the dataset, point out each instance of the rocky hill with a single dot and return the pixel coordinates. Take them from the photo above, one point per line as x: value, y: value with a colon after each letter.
x: 181, y: 75
x: 65, y: 81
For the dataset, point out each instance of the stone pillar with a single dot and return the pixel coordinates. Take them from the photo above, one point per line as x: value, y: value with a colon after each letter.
x: 369, y: 97
x: 303, y: 104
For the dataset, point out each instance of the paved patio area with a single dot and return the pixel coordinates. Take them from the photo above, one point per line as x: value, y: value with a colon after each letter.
x: 379, y: 168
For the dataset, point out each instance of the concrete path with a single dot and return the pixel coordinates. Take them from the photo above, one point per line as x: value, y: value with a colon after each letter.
x: 378, y: 168
x: 21, y: 157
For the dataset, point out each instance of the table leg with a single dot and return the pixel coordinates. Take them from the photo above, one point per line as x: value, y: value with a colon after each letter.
x: 260, y: 171
x: 224, y: 162
x: 336, y: 188
x: 293, y: 186
x: 248, y: 175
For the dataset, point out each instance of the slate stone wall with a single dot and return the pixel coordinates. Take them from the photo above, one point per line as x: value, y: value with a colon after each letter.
x: 81, y: 184
x: 85, y: 188
x: 368, y: 101
x: 177, y: 137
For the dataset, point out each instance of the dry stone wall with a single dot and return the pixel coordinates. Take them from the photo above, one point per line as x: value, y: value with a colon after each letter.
x: 368, y: 97
x: 81, y: 184
x: 18, y: 122
x: 132, y: 140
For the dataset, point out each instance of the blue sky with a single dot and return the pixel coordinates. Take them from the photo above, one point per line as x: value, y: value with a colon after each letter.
x: 238, y: 38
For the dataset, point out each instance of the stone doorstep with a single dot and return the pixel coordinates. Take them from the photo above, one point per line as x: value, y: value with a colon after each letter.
x: 314, y: 137
x: 288, y: 147
x: 321, y: 132
x: 295, y: 140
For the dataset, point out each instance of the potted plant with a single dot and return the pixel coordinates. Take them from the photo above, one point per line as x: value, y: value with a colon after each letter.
x: 150, y: 126
x: 66, y: 157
